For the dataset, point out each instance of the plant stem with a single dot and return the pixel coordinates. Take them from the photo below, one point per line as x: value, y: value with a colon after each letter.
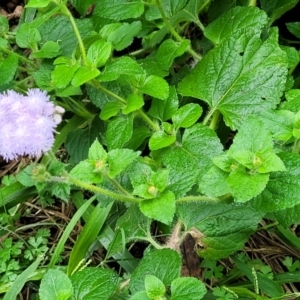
x: 173, y: 31
x: 18, y: 55
x: 252, y: 3
x: 67, y: 13
x: 118, y: 186
x: 214, y: 120
x: 154, y: 126
x: 99, y: 190
x: 208, y: 116
x: 195, y: 198
x: 101, y: 88
x: 174, y: 241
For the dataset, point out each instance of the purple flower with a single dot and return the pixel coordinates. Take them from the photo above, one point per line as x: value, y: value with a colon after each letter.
x: 27, y: 123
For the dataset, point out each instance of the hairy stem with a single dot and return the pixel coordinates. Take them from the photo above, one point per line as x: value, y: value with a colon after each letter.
x: 174, y: 241
x: 102, y: 191
x: 67, y: 13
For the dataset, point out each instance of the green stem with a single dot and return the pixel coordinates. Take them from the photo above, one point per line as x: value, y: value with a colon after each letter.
x: 99, y: 190
x: 252, y: 3
x: 67, y: 13
x: 98, y: 86
x: 154, y: 126
x: 267, y: 226
x: 208, y: 116
x: 18, y: 55
x: 173, y: 31
x: 118, y: 186
x: 195, y: 198
x: 214, y: 120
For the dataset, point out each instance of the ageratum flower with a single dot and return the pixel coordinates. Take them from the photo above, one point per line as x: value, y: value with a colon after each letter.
x: 27, y: 123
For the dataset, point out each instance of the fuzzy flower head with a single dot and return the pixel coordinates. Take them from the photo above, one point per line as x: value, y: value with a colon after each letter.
x: 27, y: 123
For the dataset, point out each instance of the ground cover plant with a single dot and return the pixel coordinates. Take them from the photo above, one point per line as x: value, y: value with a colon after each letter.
x: 145, y: 126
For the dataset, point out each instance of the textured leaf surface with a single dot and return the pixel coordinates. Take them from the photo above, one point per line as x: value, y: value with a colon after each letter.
x: 287, y: 217
x: 118, y: 132
x: 164, y: 110
x: 199, y: 144
x: 187, y: 288
x: 161, y: 140
x: 55, y: 285
x: 119, y: 159
x: 237, y: 18
x: 156, y: 87
x: 164, y: 264
x: 8, y: 67
x: 219, y: 228
x: 161, y: 208
x: 119, y: 9
x: 187, y: 115
x: 242, y: 76
x: 294, y: 28
x: 154, y: 286
x: 283, y: 189
x: 94, y: 284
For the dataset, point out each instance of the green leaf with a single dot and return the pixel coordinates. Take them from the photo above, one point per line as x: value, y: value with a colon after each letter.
x: 214, y: 183
x: 27, y: 36
x: 88, y: 236
x: 62, y: 75
x: 139, y: 134
x: 20, y: 281
x: 237, y: 18
x: 169, y: 50
x: 55, y: 285
x: 97, y: 152
x: 161, y: 140
x: 119, y: 9
x: 59, y: 28
x: 123, y: 36
x: 232, y: 77
x: 154, y: 287
x: 94, y: 284
x: 79, y: 141
x: 187, y: 288
x: 83, y: 75
x: 161, y: 208
x: 156, y: 87
x: 4, y: 25
x: 294, y: 28
x: 220, y: 229
x: 187, y: 115
x: 84, y: 171
x: 282, y: 190
x: 164, y: 110
x: 99, y: 52
x: 82, y: 5
x: 276, y: 8
x: 119, y: 159
x: 120, y: 66
x: 165, y: 264
x: 292, y: 55
x: 119, y: 131
x: 288, y: 216
x: 38, y: 3
x: 245, y: 186
x: 110, y: 109
x: 134, y: 102
x: 8, y: 68
x: 49, y: 50
x: 293, y: 100
x: 188, y: 156
x: 253, y: 148
x: 142, y: 295
x: 279, y: 123
x: 133, y: 223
